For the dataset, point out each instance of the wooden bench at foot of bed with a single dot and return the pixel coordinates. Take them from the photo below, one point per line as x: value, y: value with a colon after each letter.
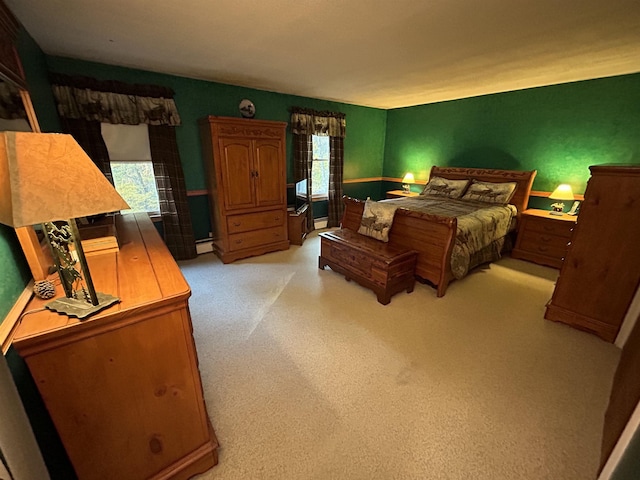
x: 432, y: 236
x: 382, y: 267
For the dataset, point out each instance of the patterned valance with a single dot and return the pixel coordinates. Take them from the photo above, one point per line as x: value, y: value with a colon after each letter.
x: 114, y: 102
x: 305, y: 121
x: 11, y: 105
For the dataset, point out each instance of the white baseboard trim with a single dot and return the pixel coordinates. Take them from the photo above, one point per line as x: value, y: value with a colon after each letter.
x: 204, y: 246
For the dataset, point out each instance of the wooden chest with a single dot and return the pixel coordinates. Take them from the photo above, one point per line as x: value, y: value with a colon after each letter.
x: 383, y: 268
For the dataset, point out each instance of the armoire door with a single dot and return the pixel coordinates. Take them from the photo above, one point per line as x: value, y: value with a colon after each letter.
x: 270, y: 186
x: 236, y: 166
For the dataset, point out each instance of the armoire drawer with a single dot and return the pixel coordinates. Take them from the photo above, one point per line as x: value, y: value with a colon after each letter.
x: 255, y: 238
x: 254, y: 221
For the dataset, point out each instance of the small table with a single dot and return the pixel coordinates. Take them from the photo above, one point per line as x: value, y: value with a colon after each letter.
x: 297, y: 225
x: 401, y: 194
x: 543, y: 238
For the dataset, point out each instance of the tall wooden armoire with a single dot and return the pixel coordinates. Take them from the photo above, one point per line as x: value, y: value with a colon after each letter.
x: 601, y: 272
x: 246, y: 174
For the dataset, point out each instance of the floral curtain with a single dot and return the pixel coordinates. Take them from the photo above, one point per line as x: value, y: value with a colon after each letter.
x: 305, y: 123
x: 83, y: 103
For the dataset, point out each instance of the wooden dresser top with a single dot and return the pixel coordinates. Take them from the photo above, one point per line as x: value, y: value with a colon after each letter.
x: 143, y: 274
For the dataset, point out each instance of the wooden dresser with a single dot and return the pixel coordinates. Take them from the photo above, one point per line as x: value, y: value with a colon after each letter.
x: 543, y: 238
x: 246, y: 172
x: 123, y: 387
x: 601, y: 271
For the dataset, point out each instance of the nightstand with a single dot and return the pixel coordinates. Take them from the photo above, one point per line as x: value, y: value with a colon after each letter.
x: 297, y: 225
x: 401, y: 194
x: 543, y: 238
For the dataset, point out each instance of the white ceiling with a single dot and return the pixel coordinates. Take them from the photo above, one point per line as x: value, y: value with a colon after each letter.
x: 379, y: 53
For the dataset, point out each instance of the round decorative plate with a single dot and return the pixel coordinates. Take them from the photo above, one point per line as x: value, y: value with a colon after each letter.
x: 247, y: 108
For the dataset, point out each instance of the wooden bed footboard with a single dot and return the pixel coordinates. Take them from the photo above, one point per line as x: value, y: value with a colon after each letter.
x: 432, y: 236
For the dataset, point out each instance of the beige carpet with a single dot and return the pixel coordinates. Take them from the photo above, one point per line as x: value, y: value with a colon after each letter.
x: 307, y: 376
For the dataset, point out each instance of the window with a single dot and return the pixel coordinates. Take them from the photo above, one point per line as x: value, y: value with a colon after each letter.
x: 131, y: 165
x: 320, y: 169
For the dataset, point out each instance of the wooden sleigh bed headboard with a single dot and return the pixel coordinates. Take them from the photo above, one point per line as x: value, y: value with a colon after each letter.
x: 524, y: 180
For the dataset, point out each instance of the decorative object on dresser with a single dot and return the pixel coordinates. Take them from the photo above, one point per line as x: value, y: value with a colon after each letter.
x: 123, y: 387
x: 562, y: 192
x: 400, y: 194
x: 601, y: 271
x: 542, y: 238
x: 246, y: 174
x: 247, y: 108
x: 70, y: 186
x: 407, y: 180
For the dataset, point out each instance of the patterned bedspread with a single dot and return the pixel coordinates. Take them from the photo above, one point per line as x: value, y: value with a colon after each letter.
x: 481, y: 227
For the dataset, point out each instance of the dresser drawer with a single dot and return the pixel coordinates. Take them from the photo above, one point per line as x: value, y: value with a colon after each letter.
x: 255, y: 238
x: 547, y: 226
x: 254, y: 221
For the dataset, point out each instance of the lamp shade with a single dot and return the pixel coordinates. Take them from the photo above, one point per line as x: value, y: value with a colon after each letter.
x: 46, y: 177
x: 562, y: 192
x: 408, y: 178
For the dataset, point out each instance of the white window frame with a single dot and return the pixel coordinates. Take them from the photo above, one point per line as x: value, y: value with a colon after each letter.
x: 320, y: 196
x: 129, y: 143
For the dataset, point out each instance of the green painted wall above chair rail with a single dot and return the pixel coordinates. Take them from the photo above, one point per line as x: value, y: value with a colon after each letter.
x: 559, y: 130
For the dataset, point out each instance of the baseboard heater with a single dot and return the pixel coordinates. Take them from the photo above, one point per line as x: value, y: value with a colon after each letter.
x: 204, y: 246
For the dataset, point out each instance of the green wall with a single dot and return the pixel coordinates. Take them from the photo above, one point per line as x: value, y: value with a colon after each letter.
x: 364, y: 145
x: 558, y: 130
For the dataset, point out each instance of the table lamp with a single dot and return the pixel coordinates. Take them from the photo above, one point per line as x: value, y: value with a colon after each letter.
x: 407, y: 180
x: 562, y: 192
x: 46, y: 178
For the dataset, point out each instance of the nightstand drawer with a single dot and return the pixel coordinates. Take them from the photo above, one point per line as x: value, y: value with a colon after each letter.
x: 548, y: 226
x: 543, y: 239
x: 551, y: 248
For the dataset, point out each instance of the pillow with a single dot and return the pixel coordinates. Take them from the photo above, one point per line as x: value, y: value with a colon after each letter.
x: 445, y: 187
x: 488, y: 192
x: 377, y: 219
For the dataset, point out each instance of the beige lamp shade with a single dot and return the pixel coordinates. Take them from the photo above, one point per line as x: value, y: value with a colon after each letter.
x: 562, y: 192
x: 46, y: 177
x: 408, y: 178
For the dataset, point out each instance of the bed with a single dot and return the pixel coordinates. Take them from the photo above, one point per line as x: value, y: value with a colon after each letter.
x: 435, y: 234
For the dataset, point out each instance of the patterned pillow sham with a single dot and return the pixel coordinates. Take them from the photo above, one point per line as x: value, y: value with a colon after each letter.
x: 445, y: 187
x: 489, y: 192
x: 377, y: 219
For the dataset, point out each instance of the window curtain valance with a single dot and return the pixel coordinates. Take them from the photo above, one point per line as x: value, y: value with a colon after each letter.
x: 113, y: 102
x: 305, y: 121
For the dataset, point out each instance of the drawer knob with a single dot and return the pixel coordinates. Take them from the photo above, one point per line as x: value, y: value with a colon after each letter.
x: 236, y: 224
x: 238, y: 242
